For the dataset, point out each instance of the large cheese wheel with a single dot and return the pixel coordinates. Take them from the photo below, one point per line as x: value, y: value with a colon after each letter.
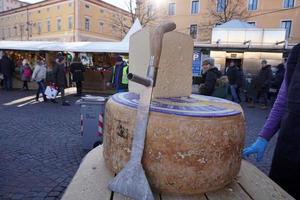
x: 193, y: 144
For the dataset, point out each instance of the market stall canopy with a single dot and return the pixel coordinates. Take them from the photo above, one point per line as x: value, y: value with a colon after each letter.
x: 99, y: 47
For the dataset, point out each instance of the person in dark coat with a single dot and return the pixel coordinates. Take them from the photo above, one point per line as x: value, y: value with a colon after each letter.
x: 277, y: 79
x: 240, y: 82
x: 263, y: 83
x: 285, y: 117
x: 59, y: 76
x: 77, y: 70
x: 233, y: 75
x: 209, y: 77
x: 7, y: 68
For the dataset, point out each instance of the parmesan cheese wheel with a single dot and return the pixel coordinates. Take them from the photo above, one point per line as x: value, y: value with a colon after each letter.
x: 193, y: 144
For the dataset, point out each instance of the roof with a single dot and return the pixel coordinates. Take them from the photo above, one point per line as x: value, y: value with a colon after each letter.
x: 235, y: 24
x: 100, y: 47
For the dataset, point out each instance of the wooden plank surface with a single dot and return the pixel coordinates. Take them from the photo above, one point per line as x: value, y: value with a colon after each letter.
x: 91, y: 179
x: 182, y: 197
x: 120, y: 197
x: 232, y: 191
x: 258, y: 185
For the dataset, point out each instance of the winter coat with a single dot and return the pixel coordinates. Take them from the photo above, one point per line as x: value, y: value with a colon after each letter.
x: 77, y: 70
x: 232, y: 74
x: 278, y: 77
x: 208, y: 81
x: 264, y: 78
x: 59, y: 75
x: 7, y: 66
x: 241, y: 79
x: 26, y: 72
x: 39, y: 72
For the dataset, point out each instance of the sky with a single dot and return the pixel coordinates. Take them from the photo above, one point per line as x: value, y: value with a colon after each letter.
x: 119, y: 3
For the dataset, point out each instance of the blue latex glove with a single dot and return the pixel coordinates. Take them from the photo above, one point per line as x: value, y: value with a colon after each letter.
x: 258, y: 147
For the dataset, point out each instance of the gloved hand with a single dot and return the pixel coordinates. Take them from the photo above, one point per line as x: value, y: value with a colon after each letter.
x: 258, y: 147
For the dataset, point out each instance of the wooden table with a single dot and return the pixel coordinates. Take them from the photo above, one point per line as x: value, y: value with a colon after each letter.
x: 91, y: 180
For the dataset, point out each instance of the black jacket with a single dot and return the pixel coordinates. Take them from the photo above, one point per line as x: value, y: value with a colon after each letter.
x: 7, y: 66
x: 77, y: 70
x: 264, y: 78
x: 208, y: 81
x: 233, y: 74
x: 278, y: 78
x: 59, y: 75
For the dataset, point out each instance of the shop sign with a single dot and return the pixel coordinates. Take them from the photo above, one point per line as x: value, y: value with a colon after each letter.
x: 196, y: 67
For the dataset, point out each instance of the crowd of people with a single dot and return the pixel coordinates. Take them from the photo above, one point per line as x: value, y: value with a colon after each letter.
x: 259, y: 89
x: 57, y: 78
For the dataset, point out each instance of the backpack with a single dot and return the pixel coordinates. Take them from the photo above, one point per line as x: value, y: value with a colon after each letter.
x: 27, y: 72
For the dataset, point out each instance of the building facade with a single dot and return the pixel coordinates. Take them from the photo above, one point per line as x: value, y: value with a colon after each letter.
x: 64, y: 20
x: 10, y: 4
x: 198, y: 17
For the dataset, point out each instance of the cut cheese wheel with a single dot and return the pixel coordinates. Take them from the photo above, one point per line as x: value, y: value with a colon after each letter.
x: 193, y: 144
x: 174, y: 77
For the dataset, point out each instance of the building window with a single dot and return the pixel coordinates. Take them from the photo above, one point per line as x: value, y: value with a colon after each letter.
x: 288, y: 3
x: 195, y: 7
x: 287, y: 24
x: 150, y: 10
x: 252, y: 23
x: 48, y: 25
x: 252, y: 4
x: 70, y: 22
x: 70, y: 4
x: 101, y: 27
x: 58, y: 24
x: 48, y: 9
x: 101, y: 11
x: 221, y: 5
x: 113, y: 31
x: 172, y: 8
x: 39, y: 11
x: 39, y: 27
x: 193, y: 31
x: 87, y: 22
x: 87, y: 6
x: 58, y: 7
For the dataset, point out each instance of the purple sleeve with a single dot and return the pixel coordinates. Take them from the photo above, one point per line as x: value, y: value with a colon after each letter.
x: 273, y: 122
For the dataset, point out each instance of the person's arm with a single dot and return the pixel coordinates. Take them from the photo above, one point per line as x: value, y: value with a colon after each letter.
x: 35, y: 72
x: 273, y: 122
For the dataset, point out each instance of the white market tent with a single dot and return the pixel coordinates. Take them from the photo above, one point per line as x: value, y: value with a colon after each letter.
x: 97, y: 47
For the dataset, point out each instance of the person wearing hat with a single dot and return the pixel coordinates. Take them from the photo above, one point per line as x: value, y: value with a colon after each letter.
x: 263, y: 82
x: 209, y: 77
x: 120, y: 72
x: 60, y: 79
x: 285, y: 115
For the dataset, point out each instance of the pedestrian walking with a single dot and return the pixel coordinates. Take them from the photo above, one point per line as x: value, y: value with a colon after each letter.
x: 233, y: 76
x: 26, y: 73
x: 77, y: 70
x: 39, y: 76
x: 60, y: 79
x: 209, y: 77
x: 120, y: 72
x: 263, y: 82
x: 7, y: 68
x: 285, y: 114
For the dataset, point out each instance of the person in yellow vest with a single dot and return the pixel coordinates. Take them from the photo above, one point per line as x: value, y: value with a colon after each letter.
x: 120, y: 71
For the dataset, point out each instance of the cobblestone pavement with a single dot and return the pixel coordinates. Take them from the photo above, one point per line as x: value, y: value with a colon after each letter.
x: 40, y: 147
